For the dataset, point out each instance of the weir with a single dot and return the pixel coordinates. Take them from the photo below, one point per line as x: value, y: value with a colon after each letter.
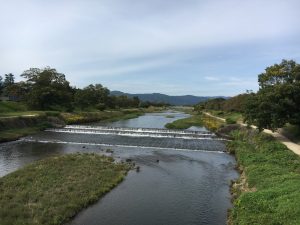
x: 133, y: 137
x: 138, y: 132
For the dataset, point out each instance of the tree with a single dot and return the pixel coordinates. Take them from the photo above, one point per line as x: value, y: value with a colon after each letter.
x: 136, y: 101
x: 16, y: 91
x: 47, y: 89
x: 278, y: 100
x: 236, y: 103
x: 212, y: 104
x: 1, y: 85
x: 9, y: 79
x: 95, y: 96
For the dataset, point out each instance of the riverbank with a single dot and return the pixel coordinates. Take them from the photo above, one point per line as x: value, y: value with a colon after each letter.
x: 15, y: 125
x: 196, y: 120
x: 12, y: 128
x: 268, y: 190
x: 53, y: 190
x: 87, y: 117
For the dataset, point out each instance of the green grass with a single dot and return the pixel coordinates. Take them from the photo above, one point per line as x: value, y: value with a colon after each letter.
x: 211, y: 123
x: 14, y: 134
x: 170, y: 116
x: 84, y: 117
x: 53, y: 190
x: 231, y: 117
x: 125, y: 117
x: 8, y: 106
x: 195, y: 120
x: 273, y: 173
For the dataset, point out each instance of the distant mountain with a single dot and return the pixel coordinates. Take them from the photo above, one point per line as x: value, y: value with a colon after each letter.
x: 173, y: 100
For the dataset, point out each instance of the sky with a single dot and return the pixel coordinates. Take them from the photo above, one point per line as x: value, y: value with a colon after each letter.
x: 176, y: 47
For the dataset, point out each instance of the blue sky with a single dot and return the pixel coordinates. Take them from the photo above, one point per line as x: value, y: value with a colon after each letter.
x: 199, y: 47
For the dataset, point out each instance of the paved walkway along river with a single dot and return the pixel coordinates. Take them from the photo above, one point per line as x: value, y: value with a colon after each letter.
x: 288, y: 143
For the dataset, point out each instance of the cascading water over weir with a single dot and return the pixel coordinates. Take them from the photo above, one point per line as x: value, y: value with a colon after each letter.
x: 133, y: 137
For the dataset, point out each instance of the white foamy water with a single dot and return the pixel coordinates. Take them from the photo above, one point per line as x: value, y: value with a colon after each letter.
x: 139, y: 130
x: 136, y: 133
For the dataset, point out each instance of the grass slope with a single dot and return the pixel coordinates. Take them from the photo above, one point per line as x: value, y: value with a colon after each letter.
x: 273, y: 177
x: 53, y: 190
x: 195, y: 120
x: 232, y: 117
x: 185, y: 123
x: 8, y: 106
x: 14, y: 134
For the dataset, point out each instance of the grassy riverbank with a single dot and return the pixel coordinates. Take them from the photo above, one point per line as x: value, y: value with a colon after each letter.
x: 53, y: 190
x: 16, y: 124
x: 84, y: 117
x: 195, y: 120
x: 12, y: 128
x: 268, y: 190
x: 230, y: 117
x: 15, y: 134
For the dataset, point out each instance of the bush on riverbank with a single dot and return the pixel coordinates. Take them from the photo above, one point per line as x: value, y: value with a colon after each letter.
x: 53, y: 190
x: 269, y: 194
x: 211, y: 123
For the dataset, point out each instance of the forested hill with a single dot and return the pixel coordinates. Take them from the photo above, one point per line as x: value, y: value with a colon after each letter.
x: 173, y: 100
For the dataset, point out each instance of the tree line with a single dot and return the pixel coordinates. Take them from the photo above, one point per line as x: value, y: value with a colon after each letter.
x: 47, y: 89
x: 276, y: 103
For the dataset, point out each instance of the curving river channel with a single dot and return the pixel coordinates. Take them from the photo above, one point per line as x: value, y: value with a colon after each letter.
x: 184, y: 176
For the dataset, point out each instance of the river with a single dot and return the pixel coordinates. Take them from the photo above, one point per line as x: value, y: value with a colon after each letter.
x: 184, y: 177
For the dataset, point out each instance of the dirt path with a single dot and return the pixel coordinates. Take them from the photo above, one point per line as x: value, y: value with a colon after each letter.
x: 284, y: 140
x: 218, y: 118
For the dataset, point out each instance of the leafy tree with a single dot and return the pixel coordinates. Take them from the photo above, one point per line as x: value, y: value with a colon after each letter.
x: 212, y: 104
x: 1, y: 85
x: 136, y: 101
x: 278, y: 100
x: 236, y: 103
x: 47, y: 89
x: 9, y: 79
x: 95, y: 96
x: 16, y: 91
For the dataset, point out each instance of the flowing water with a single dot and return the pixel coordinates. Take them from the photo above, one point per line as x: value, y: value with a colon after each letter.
x: 184, y: 176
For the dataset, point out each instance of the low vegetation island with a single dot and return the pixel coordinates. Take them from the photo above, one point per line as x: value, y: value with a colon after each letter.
x: 53, y: 190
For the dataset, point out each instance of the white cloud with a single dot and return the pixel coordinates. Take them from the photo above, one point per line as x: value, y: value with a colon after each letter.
x: 210, y: 78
